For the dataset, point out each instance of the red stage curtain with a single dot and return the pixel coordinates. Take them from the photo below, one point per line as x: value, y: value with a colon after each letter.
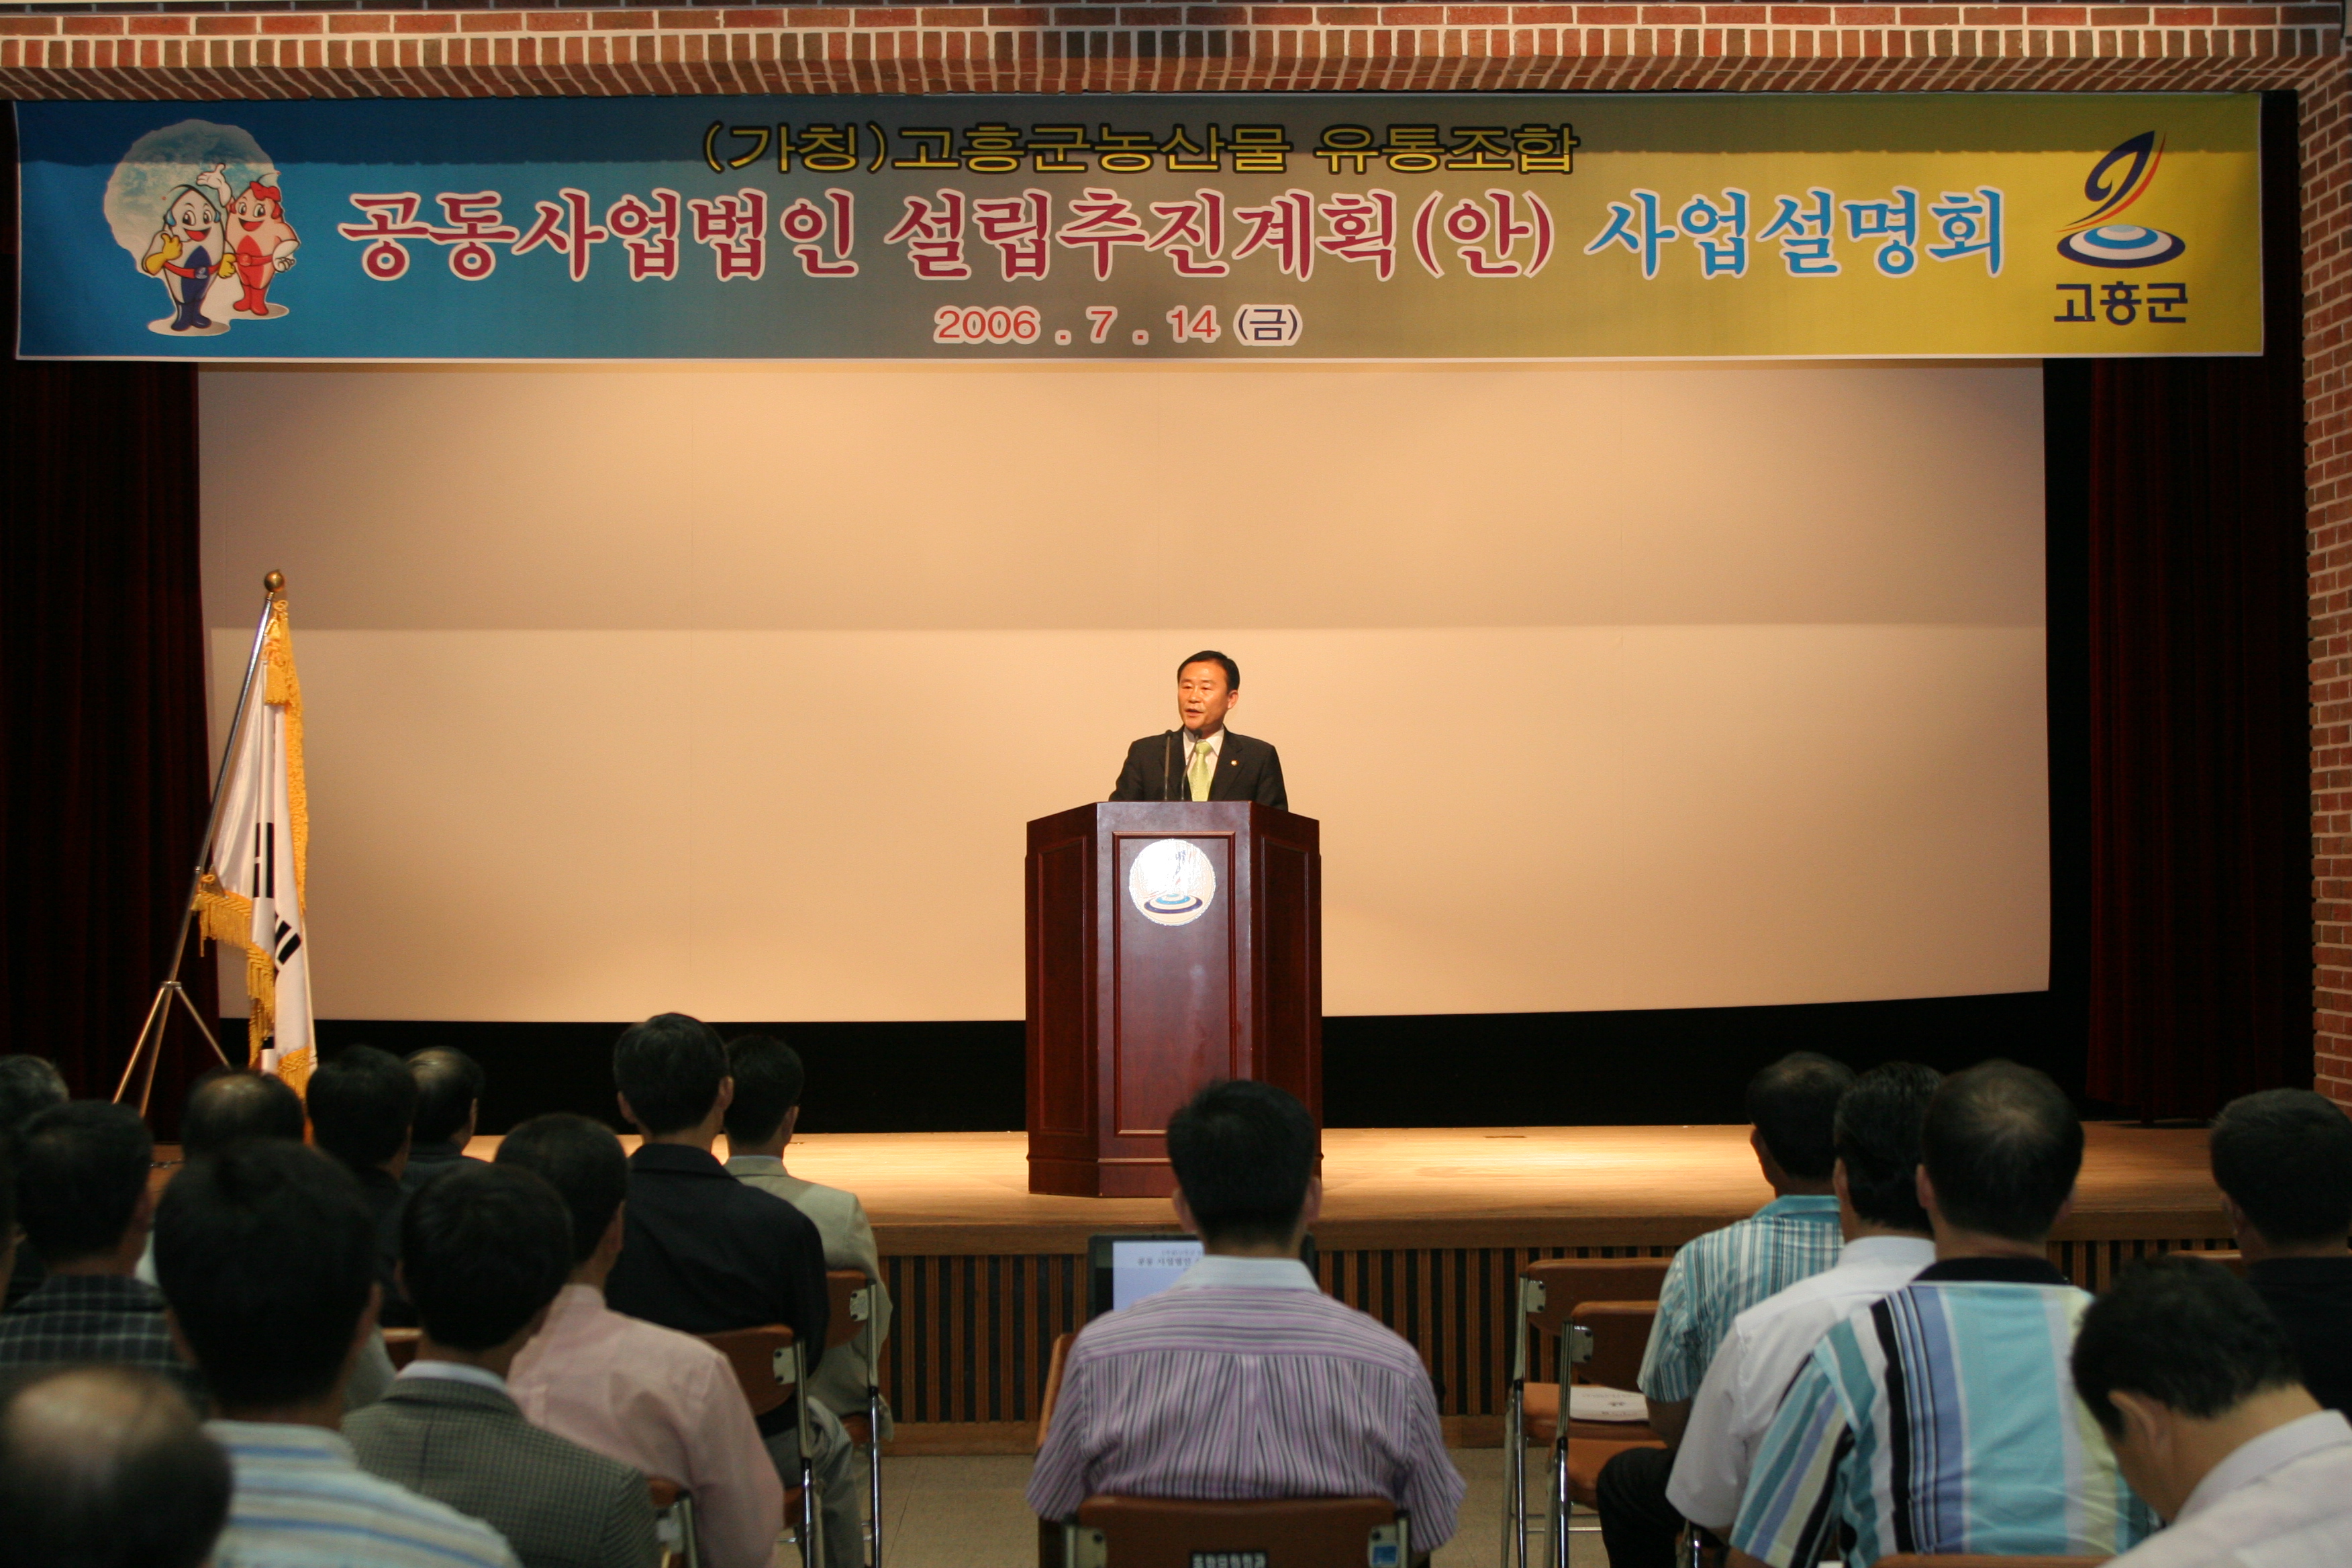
x: 103, y: 770
x: 2199, y: 762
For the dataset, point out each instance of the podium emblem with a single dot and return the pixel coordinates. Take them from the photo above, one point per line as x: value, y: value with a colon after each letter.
x: 1171, y: 883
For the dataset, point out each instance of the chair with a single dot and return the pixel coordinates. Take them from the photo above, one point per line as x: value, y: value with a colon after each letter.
x: 674, y: 1520
x: 1601, y: 1309
x: 2232, y: 1259
x: 400, y: 1344
x: 1974, y: 1560
x: 1289, y: 1533
x: 853, y: 1321
x: 771, y: 1366
x: 1061, y: 1343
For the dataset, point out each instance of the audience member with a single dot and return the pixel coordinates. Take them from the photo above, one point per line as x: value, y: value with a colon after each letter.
x: 449, y: 1104
x: 83, y: 1199
x: 2282, y: 1159
x: 483, y: 1250
x: 362, y: 1101
x: 1888, y: 1242
x: 651, y: 1397
x: 266, y: 1252
x: 1792, y: 1105
x: 105, y: 1467
x: 1940, y: 1419
x: 1333, y: 1403
x: 2196, y: 1388
x: 229, y: 1105
x: 28, y: 1086
x: 768, y: 1078
x: 704, y: 1253
x: 232, y: 1105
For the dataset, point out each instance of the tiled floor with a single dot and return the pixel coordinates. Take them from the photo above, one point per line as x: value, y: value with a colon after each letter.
x: 968, y: 1513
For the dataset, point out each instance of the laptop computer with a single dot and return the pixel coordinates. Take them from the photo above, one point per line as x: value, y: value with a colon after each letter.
x: 1123, y: 1269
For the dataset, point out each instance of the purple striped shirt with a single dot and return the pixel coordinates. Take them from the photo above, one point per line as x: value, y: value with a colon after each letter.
x: 1217, y: 1388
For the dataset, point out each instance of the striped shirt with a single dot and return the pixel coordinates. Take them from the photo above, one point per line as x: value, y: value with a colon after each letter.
x: 302, y: 1502
x: 1243, y: 1380
x: 1722, y: 1274
x: 1943, y: 1419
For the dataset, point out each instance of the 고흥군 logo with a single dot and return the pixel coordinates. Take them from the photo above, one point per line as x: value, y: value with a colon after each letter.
x: 1171, y: 883
x: 2095, y: 239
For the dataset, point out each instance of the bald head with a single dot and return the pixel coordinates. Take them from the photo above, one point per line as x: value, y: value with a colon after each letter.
x: 105, y: 1467
x: 231, y: 1105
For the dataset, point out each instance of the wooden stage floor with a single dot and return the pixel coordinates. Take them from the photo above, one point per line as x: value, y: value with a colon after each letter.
x: 946, y: 1193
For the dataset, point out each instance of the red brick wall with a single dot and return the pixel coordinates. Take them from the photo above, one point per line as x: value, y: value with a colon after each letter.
x: 223, y: 53
x: 212, y: 50
x: 2328, y: 405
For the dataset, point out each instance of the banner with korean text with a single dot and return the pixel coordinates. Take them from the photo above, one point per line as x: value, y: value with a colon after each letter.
x: 1322, y: 227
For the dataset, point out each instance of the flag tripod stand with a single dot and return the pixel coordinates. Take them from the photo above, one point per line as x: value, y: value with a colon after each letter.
x: 150, y: 1048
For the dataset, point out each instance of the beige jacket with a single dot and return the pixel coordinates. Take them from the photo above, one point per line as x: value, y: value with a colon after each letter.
x: 841, y: 1378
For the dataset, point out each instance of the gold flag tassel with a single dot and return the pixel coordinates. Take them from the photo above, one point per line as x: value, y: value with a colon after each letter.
x: 227, y: 917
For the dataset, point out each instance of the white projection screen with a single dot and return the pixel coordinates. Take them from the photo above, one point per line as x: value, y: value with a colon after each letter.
x: 729, y: 690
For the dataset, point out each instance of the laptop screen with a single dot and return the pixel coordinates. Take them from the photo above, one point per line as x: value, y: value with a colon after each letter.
x: 1123, y: 1269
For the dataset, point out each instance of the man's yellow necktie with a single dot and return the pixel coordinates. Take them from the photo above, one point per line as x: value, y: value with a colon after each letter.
x: 1204, y: 769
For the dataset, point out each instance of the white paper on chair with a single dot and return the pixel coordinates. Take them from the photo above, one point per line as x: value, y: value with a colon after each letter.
x: 1591, y: 1402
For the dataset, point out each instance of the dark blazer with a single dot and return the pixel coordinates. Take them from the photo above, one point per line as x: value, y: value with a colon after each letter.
x: 427, y: 1160
x: 703, y: 1253
x: 1246, y: 770
x: 558, y: 1504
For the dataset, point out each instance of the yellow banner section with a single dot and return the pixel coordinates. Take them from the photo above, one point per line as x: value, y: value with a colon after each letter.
x: 1998, y: 226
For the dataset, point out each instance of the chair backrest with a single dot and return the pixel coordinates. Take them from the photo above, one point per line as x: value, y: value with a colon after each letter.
x: 764, y: 1362
x: 1061, y: 1343
x: 1972, y: 1560
x: 846, y: 1289
x: 1620, y: 1335
x: 400, y: 1344
x: 673, y: 1505
x: 2232, y: 1259
x: 1290, y: 1532
x: 1567, y: 1281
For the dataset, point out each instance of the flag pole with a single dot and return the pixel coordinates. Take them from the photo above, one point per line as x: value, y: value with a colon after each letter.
x: 149, y: 1045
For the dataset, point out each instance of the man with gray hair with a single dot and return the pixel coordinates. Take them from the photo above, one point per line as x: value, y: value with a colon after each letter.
x: 105, y: 1467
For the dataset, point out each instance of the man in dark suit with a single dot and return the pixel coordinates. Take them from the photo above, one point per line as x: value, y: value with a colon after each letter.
x: 702, y: 1253
x: 449, y: 1102
x: 361, y: 1101
x: 1203, y: 759
x: 2283, y: 1159
x: 484, y: 1249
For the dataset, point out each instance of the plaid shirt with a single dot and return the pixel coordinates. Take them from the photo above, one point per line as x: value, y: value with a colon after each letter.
x: 77, y: 1319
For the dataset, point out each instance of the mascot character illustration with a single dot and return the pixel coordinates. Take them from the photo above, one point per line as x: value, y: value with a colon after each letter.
x: 261, y: 246
x: 189, y: 249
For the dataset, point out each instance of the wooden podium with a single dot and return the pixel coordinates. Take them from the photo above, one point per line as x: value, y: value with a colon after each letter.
x: 1172, y: 944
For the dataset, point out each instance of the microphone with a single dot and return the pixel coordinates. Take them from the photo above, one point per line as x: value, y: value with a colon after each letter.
x: 1167, y: 764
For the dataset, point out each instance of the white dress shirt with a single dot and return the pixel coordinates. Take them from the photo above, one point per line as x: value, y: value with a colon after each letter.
x: 1252, y: 1273
x: 453, y: 1371
x: 1766, y: 1346
x: 2283, y: 1500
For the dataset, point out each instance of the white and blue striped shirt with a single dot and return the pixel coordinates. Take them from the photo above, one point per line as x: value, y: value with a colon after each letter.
x: 302, y: 1502
x: 1942, y: 1420
x: 1717, y: 1277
